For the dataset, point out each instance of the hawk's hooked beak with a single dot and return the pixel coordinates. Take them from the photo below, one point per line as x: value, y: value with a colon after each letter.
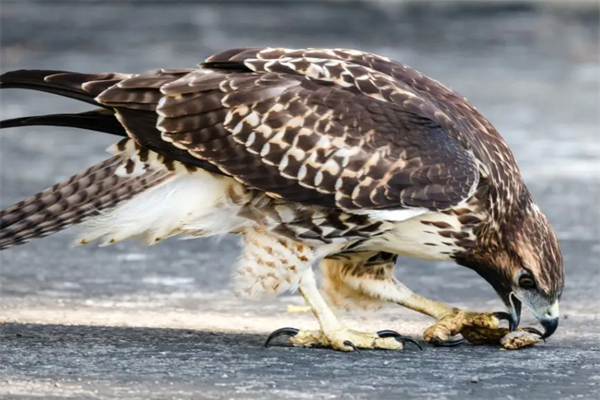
x: 548, y: 316
x: 549, y: 320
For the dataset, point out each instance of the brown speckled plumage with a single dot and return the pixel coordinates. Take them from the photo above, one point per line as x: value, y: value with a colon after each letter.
x: 337, y: 148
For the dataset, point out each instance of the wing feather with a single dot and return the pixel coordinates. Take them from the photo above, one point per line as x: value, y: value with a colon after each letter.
x: 330, y: 127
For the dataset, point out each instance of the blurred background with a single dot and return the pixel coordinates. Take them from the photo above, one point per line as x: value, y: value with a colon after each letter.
x: 531, y: 67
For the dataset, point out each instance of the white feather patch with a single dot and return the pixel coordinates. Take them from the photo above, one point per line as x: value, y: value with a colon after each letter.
x: 393, y: 215
x: 187, y: 203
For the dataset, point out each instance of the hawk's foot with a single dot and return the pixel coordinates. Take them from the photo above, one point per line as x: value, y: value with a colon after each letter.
x: 344, y: 339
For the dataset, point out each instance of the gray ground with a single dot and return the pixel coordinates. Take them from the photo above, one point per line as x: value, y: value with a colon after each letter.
x: 160, y: 323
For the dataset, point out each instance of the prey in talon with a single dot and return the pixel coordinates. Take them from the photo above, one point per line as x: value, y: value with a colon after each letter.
x: 520, y: 339
x: 332, y: 158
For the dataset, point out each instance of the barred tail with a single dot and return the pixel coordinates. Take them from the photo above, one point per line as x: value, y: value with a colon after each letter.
x: 71, y: 202
x: 84, y: 195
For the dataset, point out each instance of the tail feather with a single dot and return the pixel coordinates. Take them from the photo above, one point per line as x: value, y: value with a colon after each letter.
x: 83, y: 87
x: 74, y: 201
x: 129, y: 113
x: 99, y: 120
x: 89, y: 193
x: 30, y: 206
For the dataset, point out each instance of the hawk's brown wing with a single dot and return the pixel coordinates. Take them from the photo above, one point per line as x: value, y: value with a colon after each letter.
x: 324, y: 131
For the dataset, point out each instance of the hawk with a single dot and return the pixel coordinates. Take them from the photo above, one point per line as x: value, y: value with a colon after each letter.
x: 338, y: 157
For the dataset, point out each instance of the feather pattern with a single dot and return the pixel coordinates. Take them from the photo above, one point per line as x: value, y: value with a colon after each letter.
x: 336, y: 148
x: 306, y: 129
x: 76, y: 200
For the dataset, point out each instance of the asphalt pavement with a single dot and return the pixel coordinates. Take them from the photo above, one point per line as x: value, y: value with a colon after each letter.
x: 130, y: 322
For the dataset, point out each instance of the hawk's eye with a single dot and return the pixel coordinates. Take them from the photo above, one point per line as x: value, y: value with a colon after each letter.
x: 526, y: 282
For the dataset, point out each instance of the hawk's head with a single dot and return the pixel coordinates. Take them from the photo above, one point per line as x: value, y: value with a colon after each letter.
x: 520, y: 257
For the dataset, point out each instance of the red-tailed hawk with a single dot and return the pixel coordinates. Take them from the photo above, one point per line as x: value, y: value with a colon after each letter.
x: 337, y: 156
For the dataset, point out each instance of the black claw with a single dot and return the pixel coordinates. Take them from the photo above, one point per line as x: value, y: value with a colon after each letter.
x: 535, y: 331
x: 447, y: 343
x: 281, y: 332
x: 402, y: 339
x: 405, y: 339
x: 387, y: 333
x: 501, y: 315
x: 350, y: 344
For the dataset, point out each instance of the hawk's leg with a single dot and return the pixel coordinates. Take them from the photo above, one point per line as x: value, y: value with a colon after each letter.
x: 333, y: 333
x: 366, y: 279
x: 271, y: 263
x: 475, y: 327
